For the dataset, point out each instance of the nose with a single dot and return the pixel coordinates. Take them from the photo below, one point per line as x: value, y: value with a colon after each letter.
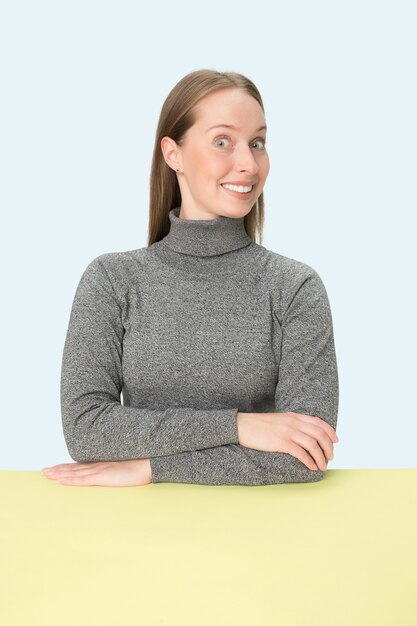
x: 245, y: 161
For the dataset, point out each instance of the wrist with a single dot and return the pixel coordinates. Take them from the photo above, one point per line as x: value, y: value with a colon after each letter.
x: 147, y: 469
x: 242, y: 420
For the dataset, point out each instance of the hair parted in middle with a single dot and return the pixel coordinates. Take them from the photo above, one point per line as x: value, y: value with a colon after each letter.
x: 176, y: 117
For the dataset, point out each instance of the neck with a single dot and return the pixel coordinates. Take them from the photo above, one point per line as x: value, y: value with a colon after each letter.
x: 205, y: 238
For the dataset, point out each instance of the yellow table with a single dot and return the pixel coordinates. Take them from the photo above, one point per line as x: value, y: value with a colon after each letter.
x: 342, y: 551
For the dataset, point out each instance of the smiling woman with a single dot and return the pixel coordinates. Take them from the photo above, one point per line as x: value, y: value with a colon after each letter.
x: 223, y: 350
x: 219, y: 168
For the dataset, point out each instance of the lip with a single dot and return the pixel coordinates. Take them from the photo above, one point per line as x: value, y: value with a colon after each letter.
x: 237, y: 194
x: 228, y: 182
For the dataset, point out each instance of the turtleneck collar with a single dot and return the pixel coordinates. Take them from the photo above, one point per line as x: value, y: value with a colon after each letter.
x: 205, y: 238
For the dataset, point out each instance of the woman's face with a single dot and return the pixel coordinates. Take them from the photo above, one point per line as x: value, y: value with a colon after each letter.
x: 210, y: 157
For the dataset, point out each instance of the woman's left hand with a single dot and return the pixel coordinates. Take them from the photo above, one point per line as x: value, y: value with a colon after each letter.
x: 103, y: 473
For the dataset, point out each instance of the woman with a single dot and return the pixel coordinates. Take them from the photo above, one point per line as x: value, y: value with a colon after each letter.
x: 222, y: 350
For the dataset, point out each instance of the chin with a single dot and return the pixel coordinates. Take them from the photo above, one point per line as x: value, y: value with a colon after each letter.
x: 235, y: 211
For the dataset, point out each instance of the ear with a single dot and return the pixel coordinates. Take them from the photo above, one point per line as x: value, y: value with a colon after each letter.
x: 171, y: 153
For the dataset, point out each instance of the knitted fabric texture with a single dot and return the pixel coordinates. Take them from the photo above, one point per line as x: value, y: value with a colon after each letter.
x: 165, y: 344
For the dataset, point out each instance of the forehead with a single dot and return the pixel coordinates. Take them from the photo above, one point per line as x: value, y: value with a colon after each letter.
x: 231, y: 108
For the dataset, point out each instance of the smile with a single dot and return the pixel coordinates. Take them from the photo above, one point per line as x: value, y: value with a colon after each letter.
x: 240, y: 192
x: 239, y: 188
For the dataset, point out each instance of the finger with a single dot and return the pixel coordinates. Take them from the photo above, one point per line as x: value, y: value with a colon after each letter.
x: 322, y: 438
x: 77, y: 480
x: 311, y: 445
x: 61, y: 466
x: 65, y: 467
x: 302, y: 455
x: 74, y: 475
x: 319, y: 456
x: 69, y: 475
x: 322, y: 424
x: 330, y: 431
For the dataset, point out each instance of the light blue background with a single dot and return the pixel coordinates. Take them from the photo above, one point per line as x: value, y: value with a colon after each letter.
x: 82, y: 85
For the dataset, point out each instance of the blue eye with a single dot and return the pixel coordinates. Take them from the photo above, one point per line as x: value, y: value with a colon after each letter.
x: 221, y: 139
x: 263, y: 141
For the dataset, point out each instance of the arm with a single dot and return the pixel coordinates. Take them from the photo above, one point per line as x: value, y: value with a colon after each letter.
x: 307, y: 383
x: 97, y: 427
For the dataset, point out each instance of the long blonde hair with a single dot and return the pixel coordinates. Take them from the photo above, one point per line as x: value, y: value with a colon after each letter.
x: 176, y: 117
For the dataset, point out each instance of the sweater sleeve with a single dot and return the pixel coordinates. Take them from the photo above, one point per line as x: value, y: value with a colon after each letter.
x: 97, y: 427
x: 307, y: 383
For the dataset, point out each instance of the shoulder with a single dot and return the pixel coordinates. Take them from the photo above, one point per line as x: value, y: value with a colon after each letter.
x: 120, y: 261
x: 287, y: 271
x: 117, y: 268
x: 290, y: 280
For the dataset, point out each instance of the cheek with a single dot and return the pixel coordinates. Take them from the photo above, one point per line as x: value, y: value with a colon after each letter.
x: 265, y: 166
x: 215, y: 167
x: 205, y: 165
x: 206, y: 168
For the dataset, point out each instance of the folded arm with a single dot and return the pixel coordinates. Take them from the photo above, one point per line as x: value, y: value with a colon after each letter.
x: 186, y: 444
x: 231, y: 465
x: 307, y: 383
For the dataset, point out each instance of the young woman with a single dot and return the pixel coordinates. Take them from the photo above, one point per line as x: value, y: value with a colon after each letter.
x: 222, y: 351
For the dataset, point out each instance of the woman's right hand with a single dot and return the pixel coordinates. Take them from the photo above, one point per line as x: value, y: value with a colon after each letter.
x: 306, y: 437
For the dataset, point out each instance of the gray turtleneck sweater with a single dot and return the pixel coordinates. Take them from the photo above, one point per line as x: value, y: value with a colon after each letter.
x: 165, y: 344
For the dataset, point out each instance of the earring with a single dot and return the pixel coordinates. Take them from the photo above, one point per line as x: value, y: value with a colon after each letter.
x: 179, y: 170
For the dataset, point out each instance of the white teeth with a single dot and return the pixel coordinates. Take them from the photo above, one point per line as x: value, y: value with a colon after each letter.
x: 239, y: 188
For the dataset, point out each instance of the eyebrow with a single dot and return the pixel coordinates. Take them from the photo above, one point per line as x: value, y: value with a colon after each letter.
x: 230, y: 126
